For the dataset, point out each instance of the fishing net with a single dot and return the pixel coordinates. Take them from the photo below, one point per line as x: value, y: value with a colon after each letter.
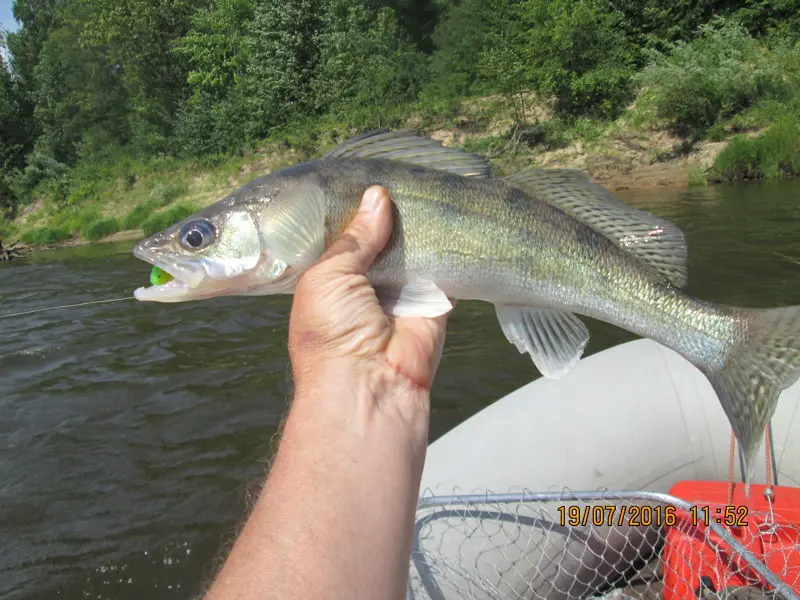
x: 610, y: 545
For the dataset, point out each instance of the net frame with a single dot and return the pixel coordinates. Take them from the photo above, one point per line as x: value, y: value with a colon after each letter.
x: 429, y: 569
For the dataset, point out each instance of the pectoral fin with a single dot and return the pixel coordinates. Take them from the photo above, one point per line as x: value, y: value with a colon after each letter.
x: 417, y: 298
x: 554, y: 339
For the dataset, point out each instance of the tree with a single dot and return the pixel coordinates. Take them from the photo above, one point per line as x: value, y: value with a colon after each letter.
x: 417, y: 18
x: 15, y: 121
x: 459, y: 39
x: 79, y: 96
x: 577, y: 53
x: 37, y: 18
x: 137, y: 36
x: 215, y: 48
x: 366, y: 60
x: 12, y: 137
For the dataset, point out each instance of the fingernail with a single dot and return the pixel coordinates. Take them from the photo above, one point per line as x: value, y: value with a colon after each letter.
x: 371, y: 199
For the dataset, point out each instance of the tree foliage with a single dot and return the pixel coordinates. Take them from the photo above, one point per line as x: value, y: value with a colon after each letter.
x: 89, y: 81
x: 721, y: 72
x: 576, y: 53
x: 365, y: 59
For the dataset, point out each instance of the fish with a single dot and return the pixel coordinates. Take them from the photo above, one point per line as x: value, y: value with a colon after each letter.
x: 542, y: 245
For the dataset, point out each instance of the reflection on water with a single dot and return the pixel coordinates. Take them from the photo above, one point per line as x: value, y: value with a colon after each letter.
x: 131, y: 433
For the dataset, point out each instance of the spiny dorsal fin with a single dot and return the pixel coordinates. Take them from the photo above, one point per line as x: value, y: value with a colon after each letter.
x: 404, y: 146
x: 657, y: 242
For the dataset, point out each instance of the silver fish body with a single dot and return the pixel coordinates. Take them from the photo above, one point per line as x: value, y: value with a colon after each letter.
x: 542, y: 246
x: 481, y: 239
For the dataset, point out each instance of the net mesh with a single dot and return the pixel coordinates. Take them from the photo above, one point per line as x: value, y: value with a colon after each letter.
x: 615, y: 545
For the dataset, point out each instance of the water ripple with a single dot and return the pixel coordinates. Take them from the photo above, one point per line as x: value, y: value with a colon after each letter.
x: 132, y: 434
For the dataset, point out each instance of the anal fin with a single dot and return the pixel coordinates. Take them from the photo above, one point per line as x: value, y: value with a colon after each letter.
x: 554, y: 339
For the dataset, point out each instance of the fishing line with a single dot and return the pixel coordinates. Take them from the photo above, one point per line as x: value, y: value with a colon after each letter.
x: 30, y: 312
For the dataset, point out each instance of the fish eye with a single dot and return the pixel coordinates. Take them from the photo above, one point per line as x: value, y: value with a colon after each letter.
x: 197, y: 235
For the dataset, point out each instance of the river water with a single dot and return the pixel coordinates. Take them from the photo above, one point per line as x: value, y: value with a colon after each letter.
x: 132, y: 434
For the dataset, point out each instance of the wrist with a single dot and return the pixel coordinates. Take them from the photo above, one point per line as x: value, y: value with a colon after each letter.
x: 352, y: 394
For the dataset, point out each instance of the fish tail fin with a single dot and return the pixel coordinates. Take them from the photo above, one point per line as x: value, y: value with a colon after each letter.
x: 754, y: 375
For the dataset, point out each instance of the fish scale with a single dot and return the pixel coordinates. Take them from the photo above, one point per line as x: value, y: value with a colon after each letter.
x: 542, y: 245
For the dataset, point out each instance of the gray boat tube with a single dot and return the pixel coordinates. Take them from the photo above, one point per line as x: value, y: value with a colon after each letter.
x: 634, y: 417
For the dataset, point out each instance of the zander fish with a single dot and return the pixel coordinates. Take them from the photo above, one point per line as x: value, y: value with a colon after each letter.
x: 542, y: 245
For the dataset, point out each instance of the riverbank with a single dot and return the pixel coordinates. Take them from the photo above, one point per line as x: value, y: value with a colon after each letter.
x: 131, y: 200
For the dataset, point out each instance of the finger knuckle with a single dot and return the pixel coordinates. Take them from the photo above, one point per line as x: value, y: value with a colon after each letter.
x: 361, y: 232
x: 348, y: 243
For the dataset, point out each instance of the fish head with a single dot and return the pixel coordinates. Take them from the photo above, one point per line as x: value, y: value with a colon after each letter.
x: 237, y: 247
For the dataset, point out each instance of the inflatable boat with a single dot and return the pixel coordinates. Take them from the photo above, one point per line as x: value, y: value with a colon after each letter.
x: 635, y: 417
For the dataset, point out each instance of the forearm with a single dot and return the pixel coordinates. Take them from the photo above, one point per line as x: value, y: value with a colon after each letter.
x: 335, y: 518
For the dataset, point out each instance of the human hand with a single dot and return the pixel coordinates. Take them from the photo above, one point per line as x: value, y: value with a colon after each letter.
x: 336, y: 515
x: 337, y: 322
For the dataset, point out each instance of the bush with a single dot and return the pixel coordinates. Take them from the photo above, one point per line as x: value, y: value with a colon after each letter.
x: 717, y: 132
x: 45, y: 236
x: 572, y: 51
x: 9, y: 198
x: 717, y: 75
x: 40, y: 168
x: 771, y: 155
x: 160, y: 221
x: 74, y: 219
x: 138, y: 215
x: 100, y: 229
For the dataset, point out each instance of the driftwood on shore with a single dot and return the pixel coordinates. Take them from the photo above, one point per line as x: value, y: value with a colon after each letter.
x: 15, y: 250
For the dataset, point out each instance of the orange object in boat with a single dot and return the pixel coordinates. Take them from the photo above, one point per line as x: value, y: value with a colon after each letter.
x: 696, y: 559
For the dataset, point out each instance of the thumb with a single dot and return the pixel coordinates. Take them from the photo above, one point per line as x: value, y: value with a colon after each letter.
x: 365, y: 236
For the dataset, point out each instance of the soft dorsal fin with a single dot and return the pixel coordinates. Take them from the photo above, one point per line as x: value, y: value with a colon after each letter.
x: 657, y: 242
x: 404, y: 146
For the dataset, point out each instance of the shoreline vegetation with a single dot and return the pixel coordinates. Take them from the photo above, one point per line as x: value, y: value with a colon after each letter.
x: 108, y: 138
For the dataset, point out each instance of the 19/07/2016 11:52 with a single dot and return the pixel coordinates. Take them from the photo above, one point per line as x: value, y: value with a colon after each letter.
x: 645, y: 515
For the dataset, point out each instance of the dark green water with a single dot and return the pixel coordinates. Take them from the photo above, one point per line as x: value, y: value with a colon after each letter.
x: 131, y: 433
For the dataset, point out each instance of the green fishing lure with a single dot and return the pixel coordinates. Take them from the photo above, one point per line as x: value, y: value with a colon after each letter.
x: 159, y: 277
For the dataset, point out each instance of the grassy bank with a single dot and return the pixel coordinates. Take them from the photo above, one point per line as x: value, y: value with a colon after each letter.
x: 141, y: 198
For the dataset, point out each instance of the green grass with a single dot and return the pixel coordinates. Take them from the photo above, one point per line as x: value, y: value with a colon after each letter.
x: 138, y: 215
x: 717, y: 132
x: 696, y: 176
x: 486, y: 146
x: 164, y: 219
x: 73, y: 219
x: 45, y: 236
x: 8, y: 229
x: 165, y: 192
x: 100, y: 229
x: 771, y: 155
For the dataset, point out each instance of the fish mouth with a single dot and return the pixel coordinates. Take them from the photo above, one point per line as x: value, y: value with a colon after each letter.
x: 177, y: 289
